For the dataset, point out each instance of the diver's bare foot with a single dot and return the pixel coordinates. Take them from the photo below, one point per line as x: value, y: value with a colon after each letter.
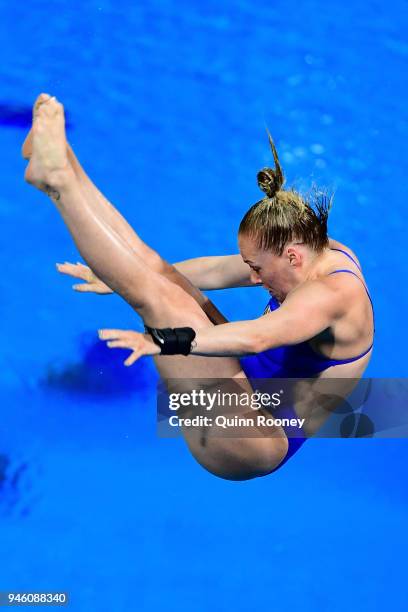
x: 27, y: 148
x: 27, y: 151
x: 49, y: 166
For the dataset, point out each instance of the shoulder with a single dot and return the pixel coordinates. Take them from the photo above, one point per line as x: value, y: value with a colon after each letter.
x: 334, y: 294
x: 308, y: 310
x: 334, y: 244
x: 324, y: 294
x: 344, y: 287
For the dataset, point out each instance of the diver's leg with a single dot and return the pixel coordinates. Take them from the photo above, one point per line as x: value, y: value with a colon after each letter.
x: 103, y: 249
x: 99, y: 203
x: 160, y: 302
x: 106, y: 212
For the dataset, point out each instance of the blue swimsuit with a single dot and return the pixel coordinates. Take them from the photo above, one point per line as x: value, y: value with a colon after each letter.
x: 295, y: 361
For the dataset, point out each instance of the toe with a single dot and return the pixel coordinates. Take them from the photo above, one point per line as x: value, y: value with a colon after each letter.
x: 42, y: 98
x: 39, y: 102
x: 27, y: 148
x: 52, y: 108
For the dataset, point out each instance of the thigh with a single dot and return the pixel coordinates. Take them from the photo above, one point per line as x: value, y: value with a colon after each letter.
x: 212, y: 312
x: 168, y: 305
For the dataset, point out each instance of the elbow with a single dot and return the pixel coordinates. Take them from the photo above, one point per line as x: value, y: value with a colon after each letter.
x: 258, y: 343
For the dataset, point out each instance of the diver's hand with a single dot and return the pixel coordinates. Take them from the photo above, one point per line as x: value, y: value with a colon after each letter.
x: 92, y: 283
x: 139, y: 344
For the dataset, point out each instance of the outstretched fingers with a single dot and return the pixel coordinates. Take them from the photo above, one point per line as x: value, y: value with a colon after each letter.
x: 92, y: 283
x: 77, y: 270
x: 131, y: 359
x: 113, y: 334
x: 117, y: 344
x: 82, y: 272
x: 86, y: 288
x: 139, y: 344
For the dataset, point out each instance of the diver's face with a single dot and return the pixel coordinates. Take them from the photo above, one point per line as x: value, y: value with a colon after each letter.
x: 270, y: 270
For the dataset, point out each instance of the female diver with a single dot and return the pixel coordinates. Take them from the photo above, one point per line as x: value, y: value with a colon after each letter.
x: 318, y: 323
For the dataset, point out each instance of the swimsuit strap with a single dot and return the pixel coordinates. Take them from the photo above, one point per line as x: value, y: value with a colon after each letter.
x: 348, y: 255
x: 357, y: 276
x: 372, y: 306
x: 351, y: 359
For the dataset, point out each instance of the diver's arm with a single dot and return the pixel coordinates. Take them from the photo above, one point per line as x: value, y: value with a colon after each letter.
x: 203, y: 272
x: 216, y: 272
x: 306, y: 312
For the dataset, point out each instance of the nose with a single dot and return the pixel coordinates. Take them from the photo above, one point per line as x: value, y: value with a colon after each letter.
x: 255, y: 278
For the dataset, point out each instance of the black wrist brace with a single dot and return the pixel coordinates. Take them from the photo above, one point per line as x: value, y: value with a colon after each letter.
x: 175, y: 341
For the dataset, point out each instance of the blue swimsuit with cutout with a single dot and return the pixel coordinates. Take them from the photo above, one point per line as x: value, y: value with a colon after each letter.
x: 295, y: 361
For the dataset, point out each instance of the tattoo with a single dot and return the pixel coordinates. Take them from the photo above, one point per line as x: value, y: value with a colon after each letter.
x: 52, y: 193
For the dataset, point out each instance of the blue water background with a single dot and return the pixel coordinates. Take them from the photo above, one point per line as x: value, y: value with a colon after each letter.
x: 167, y: 106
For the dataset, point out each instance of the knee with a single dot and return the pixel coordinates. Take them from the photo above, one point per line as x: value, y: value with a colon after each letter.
x: 250, y: 458
x: 158, y: 264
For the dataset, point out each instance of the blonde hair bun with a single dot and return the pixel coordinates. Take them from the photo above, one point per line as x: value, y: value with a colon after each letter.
x: 271, y: 181
x: 268, y: 182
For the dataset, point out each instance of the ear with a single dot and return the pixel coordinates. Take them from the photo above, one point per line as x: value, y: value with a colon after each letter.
x: 295, y: 257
